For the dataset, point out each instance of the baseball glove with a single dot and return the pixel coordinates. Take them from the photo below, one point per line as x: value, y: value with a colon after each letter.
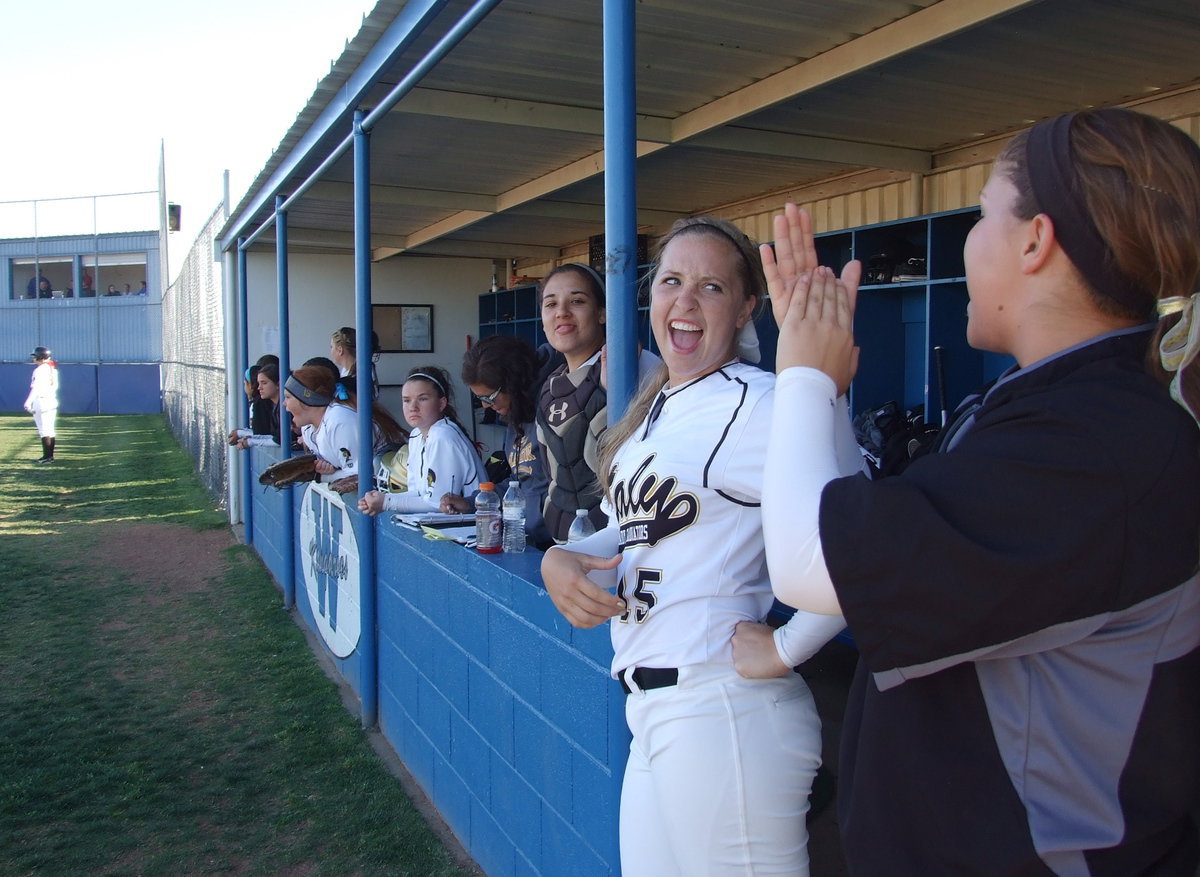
x: 349, y: 484
x: 294, y: 470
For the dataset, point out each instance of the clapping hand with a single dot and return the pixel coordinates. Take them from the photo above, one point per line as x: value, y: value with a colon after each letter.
x: 813, y: 308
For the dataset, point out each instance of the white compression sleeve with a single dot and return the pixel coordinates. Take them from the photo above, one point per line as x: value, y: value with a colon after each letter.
x: 406, y: 502
x: 801, y: 459
x: 804, y: 634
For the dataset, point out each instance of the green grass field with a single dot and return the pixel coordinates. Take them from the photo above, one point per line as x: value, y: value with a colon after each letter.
x: 159, y: 712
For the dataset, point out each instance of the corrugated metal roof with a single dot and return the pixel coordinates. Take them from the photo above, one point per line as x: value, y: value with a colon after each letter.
x: 498, y: 152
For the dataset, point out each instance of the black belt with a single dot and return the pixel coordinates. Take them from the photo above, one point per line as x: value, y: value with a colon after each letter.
x: 649, y: 678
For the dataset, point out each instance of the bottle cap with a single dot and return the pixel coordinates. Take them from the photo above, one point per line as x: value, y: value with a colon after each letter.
x: 581, y: 513
x: 512, y: 483
x: 486, y: 485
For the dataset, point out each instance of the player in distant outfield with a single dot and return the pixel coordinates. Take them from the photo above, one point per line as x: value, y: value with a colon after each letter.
x: 42, y: 401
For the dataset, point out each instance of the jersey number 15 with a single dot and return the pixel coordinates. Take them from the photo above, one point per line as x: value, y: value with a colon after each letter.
x: 642, y: 595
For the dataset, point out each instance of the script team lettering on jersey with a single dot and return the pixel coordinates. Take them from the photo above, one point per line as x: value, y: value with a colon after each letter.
x: 649, y: 508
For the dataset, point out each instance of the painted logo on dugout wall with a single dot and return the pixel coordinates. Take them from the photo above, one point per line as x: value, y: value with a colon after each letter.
x: 329, y: 554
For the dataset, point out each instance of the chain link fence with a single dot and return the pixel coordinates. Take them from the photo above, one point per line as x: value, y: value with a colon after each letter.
x: 194, y: 393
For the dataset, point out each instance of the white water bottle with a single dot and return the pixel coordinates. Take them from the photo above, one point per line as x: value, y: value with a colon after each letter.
x: 487, y: 520
x: 581, y: 527
x: 514, y: 518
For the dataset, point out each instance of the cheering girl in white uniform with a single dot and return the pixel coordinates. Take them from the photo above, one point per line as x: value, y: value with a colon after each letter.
x: 441, y: 458
x: 328, y: 428
x: 720, y: 765
x: 42, y: 401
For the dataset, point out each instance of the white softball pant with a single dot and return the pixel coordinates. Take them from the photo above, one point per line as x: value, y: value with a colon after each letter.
x: 719, y: 773
x: 44, y: 421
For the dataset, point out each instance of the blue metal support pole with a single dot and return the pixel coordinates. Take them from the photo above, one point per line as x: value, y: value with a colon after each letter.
x: 288, y: 539
x: 242, y: 361
x: 620, y: 203
x: 368, y: 643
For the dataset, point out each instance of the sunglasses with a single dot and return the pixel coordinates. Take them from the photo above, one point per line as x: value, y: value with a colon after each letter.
x: 490, y: 397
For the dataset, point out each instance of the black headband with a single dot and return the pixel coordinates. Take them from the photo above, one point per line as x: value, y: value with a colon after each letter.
x: 304, y: 394
x: 1049, y: 163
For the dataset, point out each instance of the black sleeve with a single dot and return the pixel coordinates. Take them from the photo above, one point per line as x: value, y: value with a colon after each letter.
x: 1034, y: 519
x: 260, y: 418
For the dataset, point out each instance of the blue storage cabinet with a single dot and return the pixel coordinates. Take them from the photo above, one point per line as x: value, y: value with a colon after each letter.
x: 512, y: 312
x: 901, y: 321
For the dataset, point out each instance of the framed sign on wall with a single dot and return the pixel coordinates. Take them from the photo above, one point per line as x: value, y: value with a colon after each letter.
x: 404, y: 328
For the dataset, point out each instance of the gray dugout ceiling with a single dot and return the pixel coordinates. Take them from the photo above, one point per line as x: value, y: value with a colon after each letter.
x: 498, y: 152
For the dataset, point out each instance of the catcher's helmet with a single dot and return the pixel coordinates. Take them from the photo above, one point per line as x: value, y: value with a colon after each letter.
x: 41, y: 353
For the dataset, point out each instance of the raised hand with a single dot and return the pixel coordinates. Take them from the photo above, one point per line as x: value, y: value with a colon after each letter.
x: 794, y: 254
x: 813, y: 309
x: 818, y: 329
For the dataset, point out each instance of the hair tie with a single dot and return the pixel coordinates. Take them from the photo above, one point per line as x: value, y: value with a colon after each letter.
x: 429, y: 378
x: 304, y: 394
x: 1049, y: 161
x: 340, y: 392
x: 1180, y: 345
x: 1174, y: 304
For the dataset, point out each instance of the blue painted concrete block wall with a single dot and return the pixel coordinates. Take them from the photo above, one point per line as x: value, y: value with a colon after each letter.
x: 503, y: 712
x: 270, y: 506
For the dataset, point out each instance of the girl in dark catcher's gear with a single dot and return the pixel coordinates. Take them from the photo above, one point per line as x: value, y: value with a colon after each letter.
x: 42, y: 401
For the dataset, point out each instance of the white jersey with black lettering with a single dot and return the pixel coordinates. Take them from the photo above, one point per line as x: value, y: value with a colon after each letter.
x: 335, y: 440
x: 685, y: 498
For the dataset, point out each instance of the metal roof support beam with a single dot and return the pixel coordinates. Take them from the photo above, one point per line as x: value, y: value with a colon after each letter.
x: 288, y: 537
x: 453, y: 37
x: 620, y: 203
x: 363, y: 318
x: 243, y: 356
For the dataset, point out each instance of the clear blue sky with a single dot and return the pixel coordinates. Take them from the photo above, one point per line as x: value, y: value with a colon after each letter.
x: 92, y: 89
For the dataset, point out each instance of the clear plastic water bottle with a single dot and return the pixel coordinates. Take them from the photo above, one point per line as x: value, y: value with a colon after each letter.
x: 514, y: 518
x: 581, y: 527
x: 487, y: 519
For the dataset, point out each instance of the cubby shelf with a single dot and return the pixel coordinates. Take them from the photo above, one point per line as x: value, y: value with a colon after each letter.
x: 898, y: 325
x: 511, y: 312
